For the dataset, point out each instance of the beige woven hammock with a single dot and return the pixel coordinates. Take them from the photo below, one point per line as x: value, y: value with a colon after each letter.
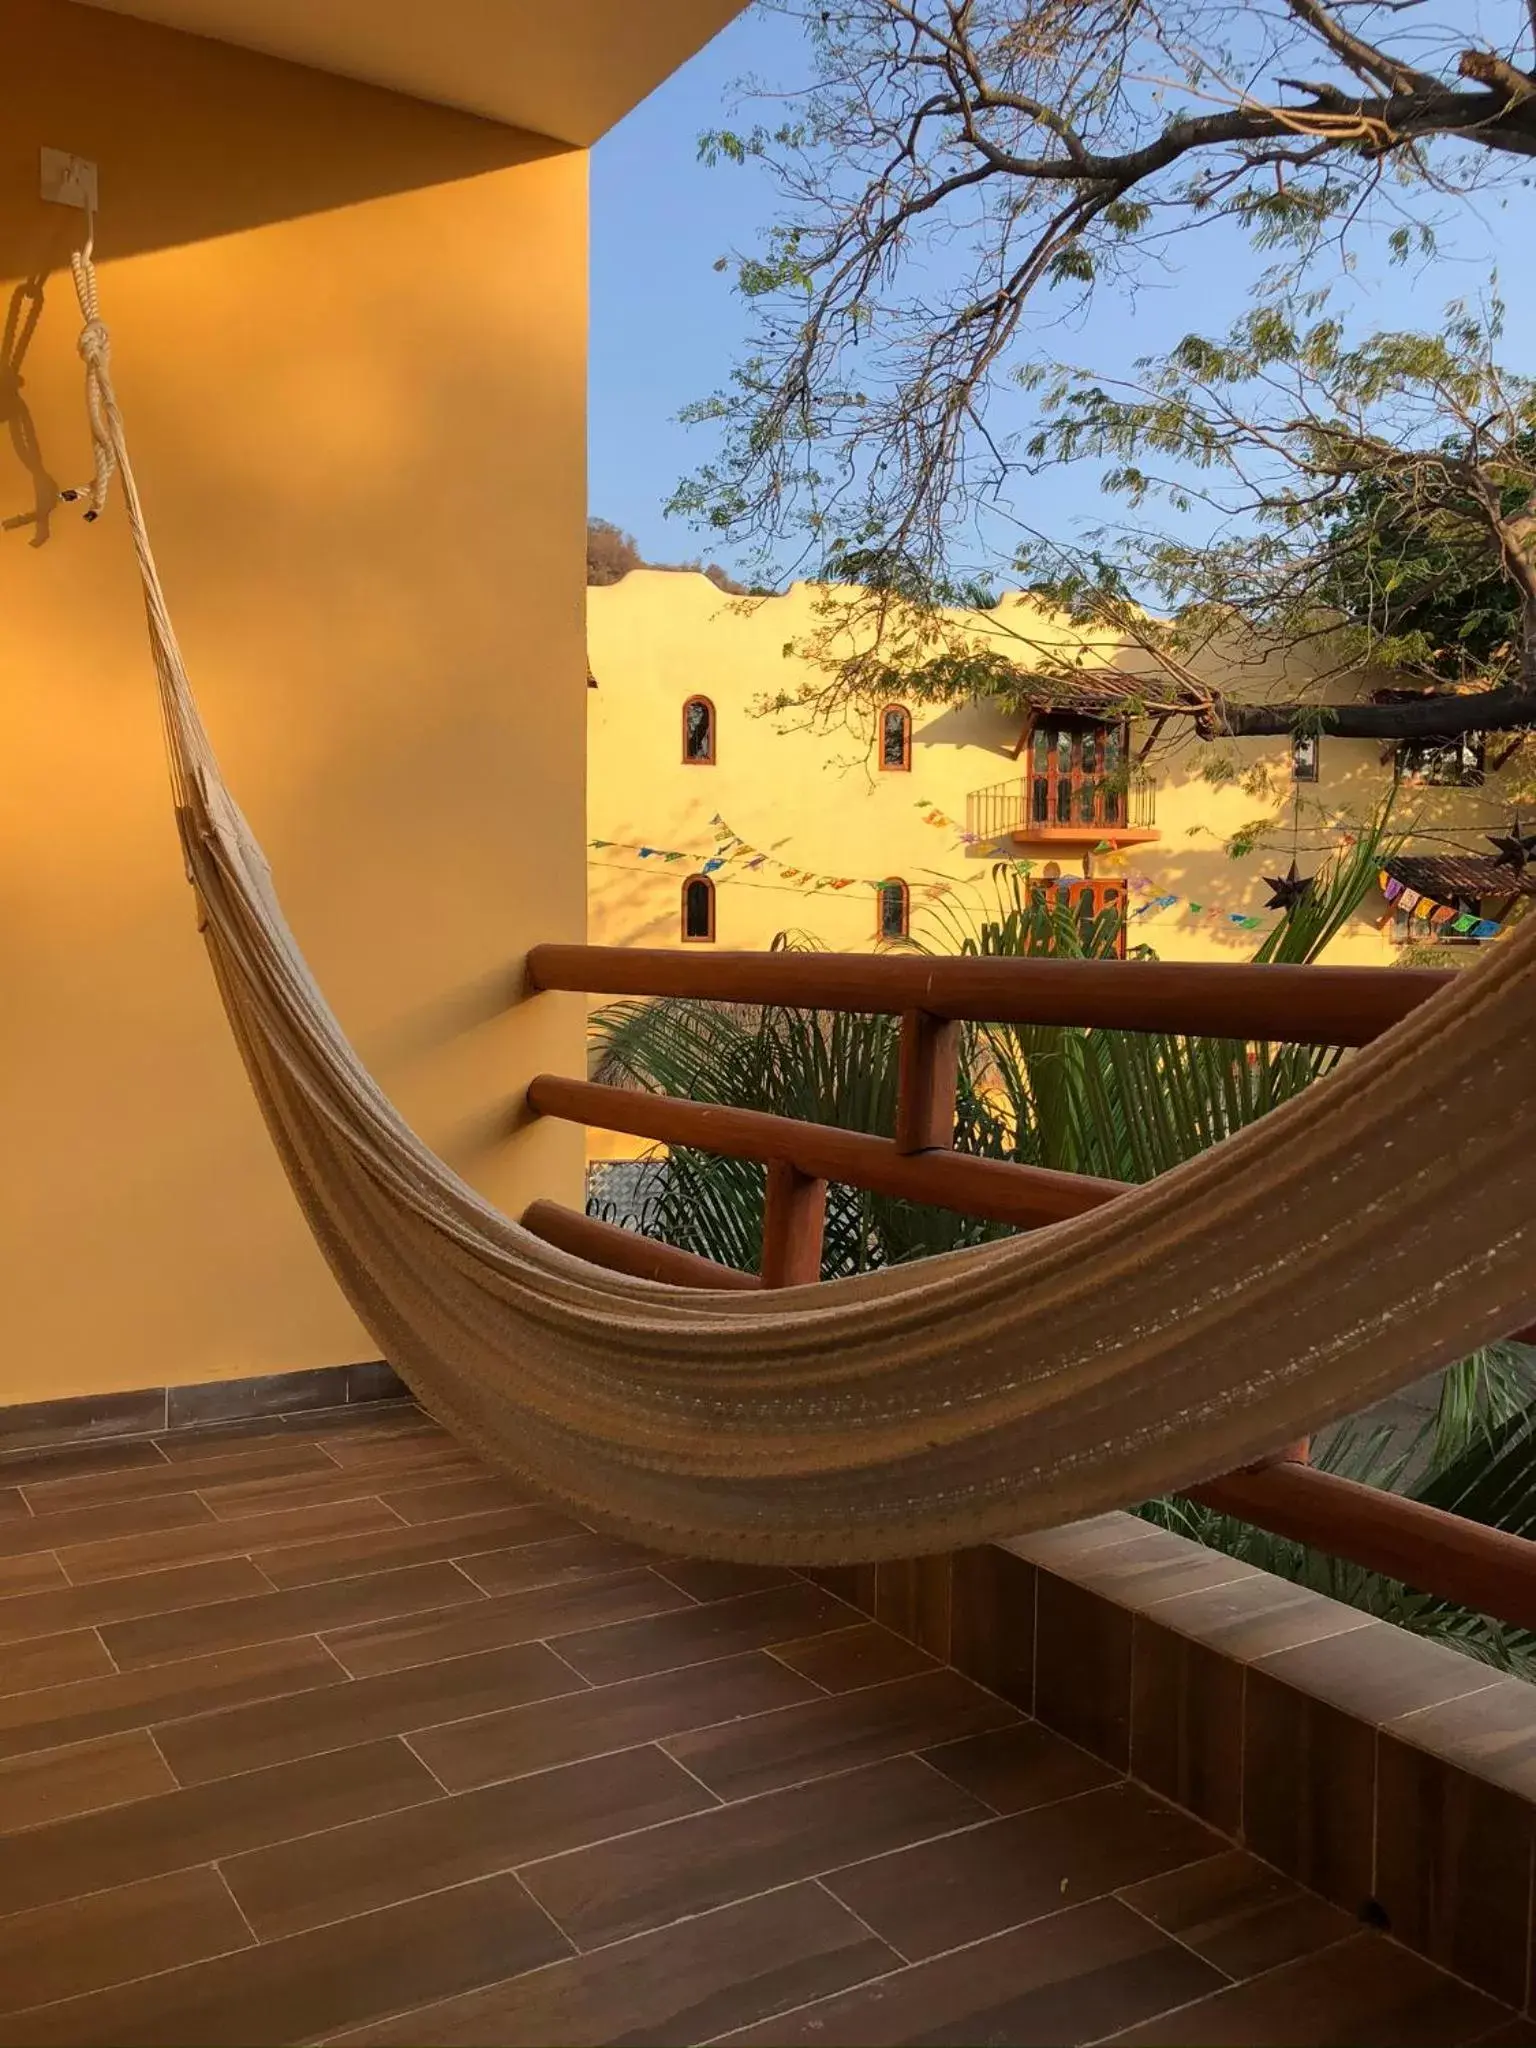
x: 1379, y: 1227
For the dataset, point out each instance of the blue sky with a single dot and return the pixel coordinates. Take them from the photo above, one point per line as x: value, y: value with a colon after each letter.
x: 666, y: 325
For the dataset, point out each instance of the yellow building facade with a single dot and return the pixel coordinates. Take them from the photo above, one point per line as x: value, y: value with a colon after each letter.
x: 343, y: 256
x: 778, y: 825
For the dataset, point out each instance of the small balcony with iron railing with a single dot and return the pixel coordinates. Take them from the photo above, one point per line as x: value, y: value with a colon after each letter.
x: 1078, y: 787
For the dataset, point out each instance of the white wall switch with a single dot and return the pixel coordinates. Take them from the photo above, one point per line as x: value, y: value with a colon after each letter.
x: 68, y: 180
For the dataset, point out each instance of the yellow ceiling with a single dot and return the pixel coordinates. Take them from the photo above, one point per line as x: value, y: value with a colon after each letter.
x: 569, y: 70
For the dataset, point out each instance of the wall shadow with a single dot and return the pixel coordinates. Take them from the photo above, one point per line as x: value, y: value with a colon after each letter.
x: 256, y: 139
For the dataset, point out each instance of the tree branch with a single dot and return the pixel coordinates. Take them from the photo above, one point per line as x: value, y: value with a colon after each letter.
x: 1427, y: 718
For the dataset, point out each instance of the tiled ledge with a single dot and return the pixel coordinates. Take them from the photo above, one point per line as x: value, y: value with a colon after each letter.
x: 148, y: 1411
x: 1393, y: 1776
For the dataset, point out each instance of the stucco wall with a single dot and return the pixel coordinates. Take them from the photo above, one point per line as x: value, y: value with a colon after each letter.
x: 349, y: 342
x: 817, y: 799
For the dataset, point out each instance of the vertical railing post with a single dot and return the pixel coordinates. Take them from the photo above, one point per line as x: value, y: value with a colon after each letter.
x: 927, y: 1076
x: 794, y: 1218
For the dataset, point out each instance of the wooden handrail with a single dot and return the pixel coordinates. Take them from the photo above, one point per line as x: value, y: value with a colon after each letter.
x: 1435, y: 1552
x: 626, y: 1251
x: 1280, y: 1004
x: 992, y: 1188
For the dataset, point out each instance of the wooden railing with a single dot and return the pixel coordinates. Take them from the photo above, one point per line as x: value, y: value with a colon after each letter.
x: 1435, y: 1552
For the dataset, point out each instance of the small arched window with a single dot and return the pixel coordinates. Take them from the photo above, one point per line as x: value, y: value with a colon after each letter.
x: 699, y: 911
x: 895, y: 739
x: 699, y: 733
x: 893, y: 910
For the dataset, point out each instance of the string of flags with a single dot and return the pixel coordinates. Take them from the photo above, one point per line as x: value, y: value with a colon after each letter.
x: 1441, y: 916
x: 737, y: 853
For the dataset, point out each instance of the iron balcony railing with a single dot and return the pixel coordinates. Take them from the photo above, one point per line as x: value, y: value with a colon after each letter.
x: 1051, y: 805
x: 1487, y: 1570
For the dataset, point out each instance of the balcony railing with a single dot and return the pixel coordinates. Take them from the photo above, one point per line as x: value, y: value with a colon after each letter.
x: 1052, y: 806
x: 1438, y: 1553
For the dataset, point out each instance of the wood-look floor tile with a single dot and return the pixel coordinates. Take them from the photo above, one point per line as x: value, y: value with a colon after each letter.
x: 558, y: 1561
x: 1453, y: 1856
x: 824, y: 1736
x: 311, y: 1984
x: 55, y: 1715
x: 332, y: 1427
x: 57, y: 1783
x: 1376, y: 1673
x: 409, y: 1434
x: 712, y: 1579
x: 1016, y: 1768
x: 178, y: 1829
x: 643, y: 1881
x: 493, y: 1622
x: 12, y: 1505
x: 117, y: 1526
x: 211, y: 1538
x: 33, y: 1573
x: 376, y: 1863
x: 306, y: 1564
x: 358, y: 1710
x: 207, y: 1476
x: 63, y: 1607
x: 67, y: 1461
x: 304, y: 1610
x: 448, y: 1500
x: 114, y: 1936
x: 1361, y: 1990
x: 1071, y: 1977
x: 941, y: 1894
x: 248, y: 1498
x: 53, y: 1660
x: 1239, y: 1914
x: 846, y: 1658
x: 1309, y: 1789
x: 754, y: 1621
x: 560, y: 1731
x: 688, y: 1982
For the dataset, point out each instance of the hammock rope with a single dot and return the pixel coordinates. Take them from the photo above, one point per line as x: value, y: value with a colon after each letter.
x: 1379, y: 1227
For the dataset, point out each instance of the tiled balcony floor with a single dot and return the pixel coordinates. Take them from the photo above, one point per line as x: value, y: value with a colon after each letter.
x: 314, y: 1729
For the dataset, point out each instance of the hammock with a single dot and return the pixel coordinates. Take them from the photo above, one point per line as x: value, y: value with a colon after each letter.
x: 1379, y: 1227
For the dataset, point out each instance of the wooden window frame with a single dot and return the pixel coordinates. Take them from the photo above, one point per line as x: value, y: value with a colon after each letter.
x: 1104, y: 892
x: 893, y: 882
x: 702, y: 760
x: 697, y: 938
x: 1077, y: 780
x: 904, y: 765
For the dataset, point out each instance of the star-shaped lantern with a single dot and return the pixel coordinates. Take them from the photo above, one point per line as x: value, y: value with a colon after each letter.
x: 1516, y: 849
x: 1290, y: 890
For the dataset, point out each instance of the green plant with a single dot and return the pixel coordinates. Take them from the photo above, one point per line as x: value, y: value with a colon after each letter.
x: 1125, y: 1105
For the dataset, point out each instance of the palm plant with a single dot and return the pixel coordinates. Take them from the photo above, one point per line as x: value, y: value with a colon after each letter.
x: 1122, y: 1105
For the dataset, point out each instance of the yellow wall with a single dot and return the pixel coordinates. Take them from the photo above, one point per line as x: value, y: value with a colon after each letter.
x: 349, y: 342
x: 818, y: 799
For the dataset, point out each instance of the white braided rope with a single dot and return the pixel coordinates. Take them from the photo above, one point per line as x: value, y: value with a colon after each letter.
x: 95, y: 345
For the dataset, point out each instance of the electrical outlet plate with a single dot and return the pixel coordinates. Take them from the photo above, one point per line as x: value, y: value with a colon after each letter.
x: 68, y: 180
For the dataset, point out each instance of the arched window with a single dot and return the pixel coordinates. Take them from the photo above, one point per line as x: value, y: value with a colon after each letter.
x: 699, y: 910
x: 699, y: 733
x: 895, y: 739
x: 893, y: 910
